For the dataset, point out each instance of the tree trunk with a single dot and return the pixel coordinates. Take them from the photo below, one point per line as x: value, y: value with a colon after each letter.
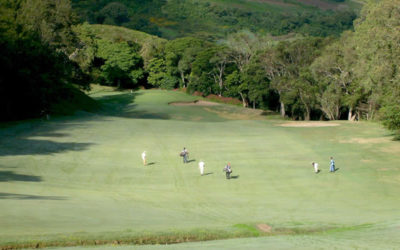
x: 245, y: 104
x: 283, y: 112
x: 183, y: 79
x: 307, y: 116
x: 254, y: 104
x: 351, y: 117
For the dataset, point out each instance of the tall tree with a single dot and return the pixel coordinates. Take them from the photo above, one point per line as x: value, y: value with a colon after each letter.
x: 51, y: 20
x: 377, y: 36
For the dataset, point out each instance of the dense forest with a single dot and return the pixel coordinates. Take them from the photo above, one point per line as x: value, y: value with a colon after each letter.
x: 48, y: 53
x: 213, y: 20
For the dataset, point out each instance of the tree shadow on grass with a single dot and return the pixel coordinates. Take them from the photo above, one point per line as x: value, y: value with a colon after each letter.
x: 19, y: 146
x: 10, y: 196
x: 6, y: 176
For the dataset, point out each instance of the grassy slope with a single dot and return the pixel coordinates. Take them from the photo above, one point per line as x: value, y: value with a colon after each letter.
x: 80, y: 177
x: 114, y: 33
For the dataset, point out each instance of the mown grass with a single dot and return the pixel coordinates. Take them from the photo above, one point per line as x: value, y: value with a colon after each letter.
x: 79, y: 179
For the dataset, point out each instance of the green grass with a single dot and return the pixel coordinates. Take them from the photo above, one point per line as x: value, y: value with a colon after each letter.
x: 78, y: 180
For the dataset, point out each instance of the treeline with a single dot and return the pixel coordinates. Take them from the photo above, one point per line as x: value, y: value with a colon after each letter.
x: 354, y: 77
x: 36, y: 76
x: 212, y: 21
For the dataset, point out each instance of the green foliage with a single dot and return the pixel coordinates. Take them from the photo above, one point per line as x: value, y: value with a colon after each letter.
x: 50, y: 20
x: 391, y: 116
x: 158, y: 75
x: 122, y: 64
x: 135, y: 15
x: 36, y: 73
x: 212, y: 20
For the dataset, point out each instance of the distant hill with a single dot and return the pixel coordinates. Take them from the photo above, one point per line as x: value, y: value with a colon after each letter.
x: 213, y: 19
x: 149, y: 43
x: 114, y: 33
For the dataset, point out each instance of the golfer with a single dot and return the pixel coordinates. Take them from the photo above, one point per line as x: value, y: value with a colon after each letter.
x: 185, y: 154
x: 201, y: 167
x: 332, y: 164
x: 228, y: 170
x: 315, y: 165
x: 144, y: 158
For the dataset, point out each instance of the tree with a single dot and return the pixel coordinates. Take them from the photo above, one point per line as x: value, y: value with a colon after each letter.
x: 377, y: 39
x: 51, y: 21
x: 286, y: 66
x: 123, y: 67
x: 220, y: 61
x: 335, y: 67
x: 158, y: 75
x: 180, y: 55
x: 243, y: 47
x: 114, y: 13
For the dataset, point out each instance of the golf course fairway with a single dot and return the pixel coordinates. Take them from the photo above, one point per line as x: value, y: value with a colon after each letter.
x: 79, y: 181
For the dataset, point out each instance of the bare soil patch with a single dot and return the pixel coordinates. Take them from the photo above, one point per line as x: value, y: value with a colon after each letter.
x: 264, y: 228
x: 366, y: 140
x: 195, y: 103
x: 366, y: 160
x: 309, y: 124
x: 394, y: 149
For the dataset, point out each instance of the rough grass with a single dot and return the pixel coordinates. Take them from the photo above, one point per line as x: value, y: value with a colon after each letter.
x: 79, y: 180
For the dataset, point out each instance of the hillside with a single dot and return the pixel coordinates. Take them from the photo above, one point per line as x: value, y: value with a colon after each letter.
x: 213, y: 19
x: 114, y: 33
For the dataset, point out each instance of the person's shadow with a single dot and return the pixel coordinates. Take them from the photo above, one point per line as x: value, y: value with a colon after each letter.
x: 208, y: 173
x: 192, y: 160
x: 235, y: 177
x: 336, y: 169
x: 151, y: 163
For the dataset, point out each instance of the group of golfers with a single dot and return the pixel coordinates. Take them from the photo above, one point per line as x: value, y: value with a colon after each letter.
x: 332, y: 168
x: 228, y: 170
x: 185, y: 154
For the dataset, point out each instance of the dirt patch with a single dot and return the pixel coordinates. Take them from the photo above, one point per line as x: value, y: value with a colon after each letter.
x: 395, y: 149
x: 365, y: 140
x: 195, y: 103
x: 309, y: 124
x: 366, y: 160
x: 264, y: 228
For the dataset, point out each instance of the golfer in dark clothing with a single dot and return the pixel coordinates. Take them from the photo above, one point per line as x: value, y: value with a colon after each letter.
x: 185, y: 154
x: 228, y: 171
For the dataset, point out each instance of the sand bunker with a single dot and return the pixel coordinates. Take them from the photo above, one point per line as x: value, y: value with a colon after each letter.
x: 195, y: 103
x: 264, y: 228
x: 309, y: 124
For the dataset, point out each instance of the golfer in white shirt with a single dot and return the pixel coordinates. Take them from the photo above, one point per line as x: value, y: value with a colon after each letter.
x: 201, y: 167
x: 315, y: 165
x: 144, y: 158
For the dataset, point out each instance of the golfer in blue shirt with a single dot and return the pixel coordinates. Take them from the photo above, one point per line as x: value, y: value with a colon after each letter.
x: 332, y: 168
